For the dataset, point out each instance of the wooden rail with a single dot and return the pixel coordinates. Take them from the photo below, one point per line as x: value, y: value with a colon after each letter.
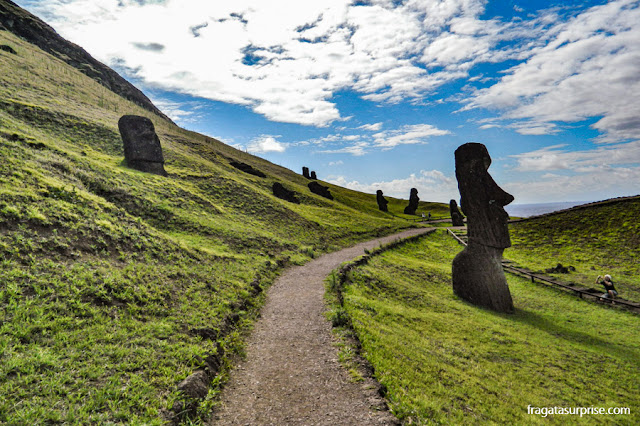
x: 582, y: 292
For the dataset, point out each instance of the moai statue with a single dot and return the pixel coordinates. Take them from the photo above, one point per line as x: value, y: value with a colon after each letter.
x: 382, y: 202
x: 313, y: 175
x: 305, y: 172
x: 142, y: 150
x: 477, y: 270
x: 284, y: 193
x: 413, y: 202
x: 321, y: 190
x: 457, y: 219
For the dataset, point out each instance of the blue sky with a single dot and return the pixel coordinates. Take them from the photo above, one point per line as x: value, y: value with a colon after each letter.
x: 378, y: 94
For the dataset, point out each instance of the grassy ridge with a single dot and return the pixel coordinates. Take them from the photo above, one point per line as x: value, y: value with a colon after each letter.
x: 445, y: 361
x: 116, y: 284
x: 598, y: 240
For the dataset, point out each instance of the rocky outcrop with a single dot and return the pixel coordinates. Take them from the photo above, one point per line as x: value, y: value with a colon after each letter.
x: 457, y: 219
x: 284, y: 193
x: 321, y: 190
x: 142, y: 150
x: 413, y: 202
x: 477, y: 272
x: 382, y: 202
x: 31, y: 28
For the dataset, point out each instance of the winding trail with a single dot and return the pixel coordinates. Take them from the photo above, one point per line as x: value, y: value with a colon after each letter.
x: 291, y: 374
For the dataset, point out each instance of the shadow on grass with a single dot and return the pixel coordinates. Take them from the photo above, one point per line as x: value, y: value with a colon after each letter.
x: 559, y: 330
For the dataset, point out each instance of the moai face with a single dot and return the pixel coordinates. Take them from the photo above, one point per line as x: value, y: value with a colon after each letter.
x: 481, y: 199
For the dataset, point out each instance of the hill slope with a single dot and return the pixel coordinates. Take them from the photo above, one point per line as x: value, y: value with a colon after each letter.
x: 602, y: 238
x: 116, y: 284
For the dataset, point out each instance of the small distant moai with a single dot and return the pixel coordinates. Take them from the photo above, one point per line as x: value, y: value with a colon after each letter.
x: 313, y: 175
x: 284, y: 193
x: 142, y: 150
x: 477, y: 271
x: 457, y: 219
x: 413, y: 202
x: 305, y: 172
x: 320, y: 190
x: 382, y: 202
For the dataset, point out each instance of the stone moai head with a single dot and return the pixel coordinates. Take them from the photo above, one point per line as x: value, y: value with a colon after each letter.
x: 382, y: 202
x: 481, y: 199
x: 313, y: 175
x: 305, y: 172
x: 142, y: 150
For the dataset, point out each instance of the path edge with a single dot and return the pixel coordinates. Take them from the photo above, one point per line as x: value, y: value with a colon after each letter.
x: 343, y: 329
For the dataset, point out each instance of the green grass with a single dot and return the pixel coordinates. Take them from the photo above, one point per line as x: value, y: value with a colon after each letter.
x: 598, y: 240
x: 443, y: 360
x: 115, y: 284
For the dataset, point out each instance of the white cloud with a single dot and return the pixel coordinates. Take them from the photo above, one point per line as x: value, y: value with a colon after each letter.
x: 555, y: 158
x: 406, y: 135
x: 358, y: 149
x: 432, y: 185
x: 286, y: 66
x: 587, y: 68
x: 336, y: 163
x: 371, y: 127
x: 264, y: 144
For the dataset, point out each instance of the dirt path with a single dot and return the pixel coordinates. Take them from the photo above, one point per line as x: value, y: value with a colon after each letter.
x: 292, y: 374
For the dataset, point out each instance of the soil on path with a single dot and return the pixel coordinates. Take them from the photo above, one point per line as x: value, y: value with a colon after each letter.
x: 291, y: 374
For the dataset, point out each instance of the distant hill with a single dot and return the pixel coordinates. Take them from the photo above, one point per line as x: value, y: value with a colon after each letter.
x: 596, y: 238
x: 34, y: 30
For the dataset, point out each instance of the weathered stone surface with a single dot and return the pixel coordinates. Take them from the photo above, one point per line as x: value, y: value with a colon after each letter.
x: 142, y: 150
x: 284, y: 193
x: 477, y: 271
x: 321, y: 190
x: 313, y: 175
x: 305, y: 172
x: 382, y: 202
x: 8, y: 49
x: 457, y: 219
x: 413, y: 202
x: 196, y: 385
x: 247, y: 169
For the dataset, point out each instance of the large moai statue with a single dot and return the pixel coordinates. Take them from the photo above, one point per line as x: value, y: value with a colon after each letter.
x: 382, y: 202
x: 413, y: 202
x: 457, y: 219
x: 305, y: 172
x: 477, y: 270
x: 142, y: 150
x: 313, y: 175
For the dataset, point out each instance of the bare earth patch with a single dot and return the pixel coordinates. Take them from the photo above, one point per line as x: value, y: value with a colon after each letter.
x: 291, y: 374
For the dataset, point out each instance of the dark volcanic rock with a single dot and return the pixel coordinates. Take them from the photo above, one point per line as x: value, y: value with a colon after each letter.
x: 560, y: 269
x: 457, y: 219
x: 313, y: 175
x: 305, y: 172
x: 142, y: 150
x: 284, y: 193
x: 31, y: 28
x: 413, y: 202
x: 196, y: 385
x: 477, y: 271
x: 7, y: 48
x: 247, y: 169
x: 321, y: 190
x: 382, y: 202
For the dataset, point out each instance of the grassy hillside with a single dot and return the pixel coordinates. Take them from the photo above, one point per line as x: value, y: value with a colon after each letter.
x: 596, y: 240
x: 115, y: 284
x: 444, y: 361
